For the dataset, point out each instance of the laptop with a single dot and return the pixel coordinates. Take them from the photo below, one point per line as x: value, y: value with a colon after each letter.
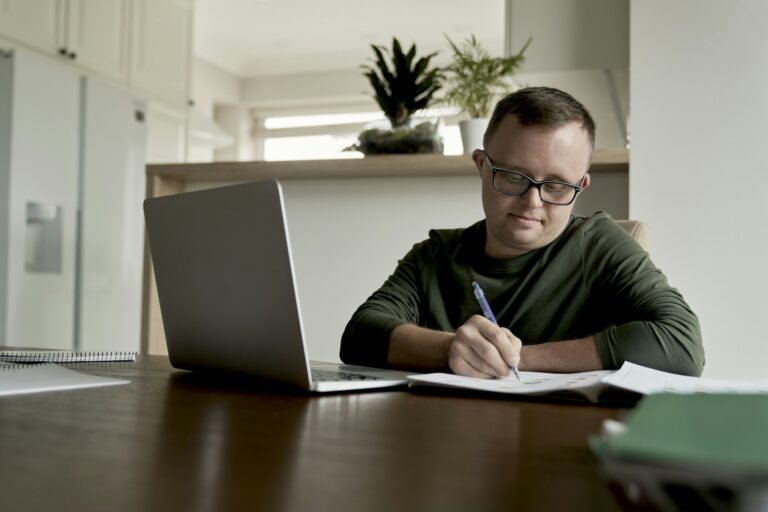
x: 227, y: 289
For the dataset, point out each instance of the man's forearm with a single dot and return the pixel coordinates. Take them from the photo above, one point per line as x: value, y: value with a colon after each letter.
x: 561, y: 356
x: 415, y: 348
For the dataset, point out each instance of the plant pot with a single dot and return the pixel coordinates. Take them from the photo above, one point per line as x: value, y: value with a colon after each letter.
x: 419, y: 136
x: 472, y: 131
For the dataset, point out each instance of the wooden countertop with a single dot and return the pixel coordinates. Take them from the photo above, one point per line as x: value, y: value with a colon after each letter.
x: 604, y: 160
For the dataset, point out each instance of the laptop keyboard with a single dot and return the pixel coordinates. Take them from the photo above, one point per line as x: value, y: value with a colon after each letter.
x: 326, y: 376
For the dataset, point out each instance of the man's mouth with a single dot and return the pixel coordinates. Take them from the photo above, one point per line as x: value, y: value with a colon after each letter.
x: 524, y: 218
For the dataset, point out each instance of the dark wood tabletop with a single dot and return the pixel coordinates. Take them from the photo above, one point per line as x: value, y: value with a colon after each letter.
x: 173, y: 440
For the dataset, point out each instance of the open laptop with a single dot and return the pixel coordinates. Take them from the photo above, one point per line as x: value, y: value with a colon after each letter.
x: 228, y: 297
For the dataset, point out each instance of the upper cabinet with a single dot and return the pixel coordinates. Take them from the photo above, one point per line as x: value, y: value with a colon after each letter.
x: 160, y: 60
x: 143, y: 44
x: 96, y: 36
x: 36, y: 24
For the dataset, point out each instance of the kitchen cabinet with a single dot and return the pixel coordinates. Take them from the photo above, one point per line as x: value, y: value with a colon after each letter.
x: 92, y: 34
x: 161, y: 49
x: 97, y: 36
x: 145, y: 45
x: 34, y: 23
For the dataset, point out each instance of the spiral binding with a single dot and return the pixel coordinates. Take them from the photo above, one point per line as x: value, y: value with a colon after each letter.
x: 65, y: 357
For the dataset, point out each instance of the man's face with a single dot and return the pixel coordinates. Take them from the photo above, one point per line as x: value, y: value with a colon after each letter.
x: 516, y: 225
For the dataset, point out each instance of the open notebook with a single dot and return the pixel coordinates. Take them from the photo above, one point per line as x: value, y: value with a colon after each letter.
x: 630, y: 377
x: 17, y: 379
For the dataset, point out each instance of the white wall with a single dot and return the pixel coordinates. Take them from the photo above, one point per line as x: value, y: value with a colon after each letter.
x: 347, y: 236
x: 334, y: 87
x: 579, y: 46
x: 212, y: 85
x: 569, y: 34
x: 699, y: 82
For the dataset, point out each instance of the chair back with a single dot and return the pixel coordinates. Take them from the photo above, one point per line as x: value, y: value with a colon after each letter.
x: 639, y: 231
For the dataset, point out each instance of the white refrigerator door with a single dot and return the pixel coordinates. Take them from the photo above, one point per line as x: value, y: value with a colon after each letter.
x: 40, y: 203
x: 112, y: 225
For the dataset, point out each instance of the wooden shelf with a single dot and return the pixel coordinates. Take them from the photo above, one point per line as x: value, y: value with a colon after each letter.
x: 614, y: 160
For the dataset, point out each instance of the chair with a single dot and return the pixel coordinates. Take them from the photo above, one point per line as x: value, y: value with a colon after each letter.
x: 639, y: 231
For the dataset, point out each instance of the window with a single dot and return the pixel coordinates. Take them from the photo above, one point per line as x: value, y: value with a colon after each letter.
x: 309, y: 136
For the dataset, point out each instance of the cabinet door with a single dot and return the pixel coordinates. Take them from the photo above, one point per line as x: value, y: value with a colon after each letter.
x: 97, y: 35
x: 161, y: 48
x: 32, y: 22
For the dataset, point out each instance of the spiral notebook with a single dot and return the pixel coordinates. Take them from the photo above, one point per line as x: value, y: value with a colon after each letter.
x: 45, y: 356
x: 17, y: 379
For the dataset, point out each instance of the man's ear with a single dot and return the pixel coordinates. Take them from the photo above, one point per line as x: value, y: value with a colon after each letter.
x: 478, y: 156
x: 586, y: 181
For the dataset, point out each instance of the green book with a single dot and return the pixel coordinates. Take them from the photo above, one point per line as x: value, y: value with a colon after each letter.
x: 728, y: 432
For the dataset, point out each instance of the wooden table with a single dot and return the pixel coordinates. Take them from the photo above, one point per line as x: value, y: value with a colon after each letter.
x: 172, y: 440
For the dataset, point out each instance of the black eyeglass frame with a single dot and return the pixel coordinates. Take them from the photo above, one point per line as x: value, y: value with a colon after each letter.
x: 531, y: 182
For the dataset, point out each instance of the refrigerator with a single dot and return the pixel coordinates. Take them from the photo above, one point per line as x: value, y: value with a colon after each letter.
x: 71, y: 228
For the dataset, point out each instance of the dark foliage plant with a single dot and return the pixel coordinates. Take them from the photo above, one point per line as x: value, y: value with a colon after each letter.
x: 402, y: 83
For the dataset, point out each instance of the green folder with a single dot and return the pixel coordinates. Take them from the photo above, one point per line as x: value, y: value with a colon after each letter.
x: 728, y: 432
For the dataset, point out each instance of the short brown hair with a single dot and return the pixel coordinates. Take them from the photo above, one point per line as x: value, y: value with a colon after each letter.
x: 541, y: 106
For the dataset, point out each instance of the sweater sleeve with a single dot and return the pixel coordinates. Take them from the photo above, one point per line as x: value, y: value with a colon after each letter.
x: 652, y: 325
x: 366, y: 337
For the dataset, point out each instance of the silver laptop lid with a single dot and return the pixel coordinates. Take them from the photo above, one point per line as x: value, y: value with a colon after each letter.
x: 225, y: 281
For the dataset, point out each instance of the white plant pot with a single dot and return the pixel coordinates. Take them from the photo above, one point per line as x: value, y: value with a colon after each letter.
x: 472, y: 131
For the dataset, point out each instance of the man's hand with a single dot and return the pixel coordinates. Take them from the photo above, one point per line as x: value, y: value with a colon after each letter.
x: 482, y: 349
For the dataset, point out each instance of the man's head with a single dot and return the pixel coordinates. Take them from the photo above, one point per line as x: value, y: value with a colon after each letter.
x: 541, y: 106
x: 544, y: 135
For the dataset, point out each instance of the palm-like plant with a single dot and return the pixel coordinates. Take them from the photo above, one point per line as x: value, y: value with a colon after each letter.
x: 474, y: 78
x: 404, y: 87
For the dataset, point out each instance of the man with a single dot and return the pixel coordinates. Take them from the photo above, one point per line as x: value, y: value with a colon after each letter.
x: 570, y: 293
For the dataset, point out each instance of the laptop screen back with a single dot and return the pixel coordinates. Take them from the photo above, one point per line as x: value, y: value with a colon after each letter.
x: 224, y: 277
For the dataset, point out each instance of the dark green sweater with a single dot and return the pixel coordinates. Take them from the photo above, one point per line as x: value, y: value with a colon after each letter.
x: 594, y: 279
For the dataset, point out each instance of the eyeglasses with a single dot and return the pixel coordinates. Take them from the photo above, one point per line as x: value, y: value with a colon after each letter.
x: 516, y: 184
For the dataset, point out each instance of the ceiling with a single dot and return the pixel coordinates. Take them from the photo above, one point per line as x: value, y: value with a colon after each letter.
x: 269, y: 37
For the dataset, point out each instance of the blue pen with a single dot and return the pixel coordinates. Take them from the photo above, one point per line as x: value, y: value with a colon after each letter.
x: 480, y: 296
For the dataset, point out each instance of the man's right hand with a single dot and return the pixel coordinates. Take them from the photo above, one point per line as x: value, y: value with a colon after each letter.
x: 480, y: 348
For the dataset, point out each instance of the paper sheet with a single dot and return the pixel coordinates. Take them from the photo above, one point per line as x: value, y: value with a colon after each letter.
x: 20, y: 379
x: 646, y: 381
x: 531, y: 383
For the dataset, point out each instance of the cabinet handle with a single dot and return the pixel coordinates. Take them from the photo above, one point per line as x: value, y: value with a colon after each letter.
x: 63, y: 51
x: 72, y: 55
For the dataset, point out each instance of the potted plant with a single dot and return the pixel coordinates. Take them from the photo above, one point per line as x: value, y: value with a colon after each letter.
x: 473, y: 80
x: 402, y: 85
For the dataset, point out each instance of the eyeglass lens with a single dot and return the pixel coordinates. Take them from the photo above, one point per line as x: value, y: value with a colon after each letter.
x: 518, y: 184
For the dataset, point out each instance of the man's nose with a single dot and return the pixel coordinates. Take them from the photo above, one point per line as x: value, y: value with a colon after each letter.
x: 531, y: 197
